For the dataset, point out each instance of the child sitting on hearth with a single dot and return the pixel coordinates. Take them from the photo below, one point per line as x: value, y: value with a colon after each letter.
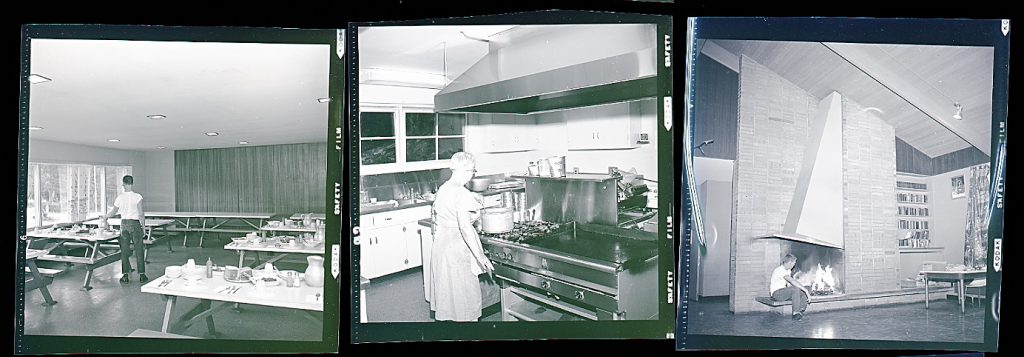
x: 784, y: 287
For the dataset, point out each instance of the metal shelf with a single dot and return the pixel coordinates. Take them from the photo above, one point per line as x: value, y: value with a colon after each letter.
x: 921, y: 250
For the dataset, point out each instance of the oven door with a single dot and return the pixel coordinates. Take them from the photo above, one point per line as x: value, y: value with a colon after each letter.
x: 519, y: 303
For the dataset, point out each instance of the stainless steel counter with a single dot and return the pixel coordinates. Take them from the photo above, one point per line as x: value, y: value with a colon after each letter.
x: 363, y: 210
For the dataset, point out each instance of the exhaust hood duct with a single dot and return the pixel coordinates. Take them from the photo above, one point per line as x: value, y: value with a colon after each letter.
x: 816, y: 212
x: 530, y: 69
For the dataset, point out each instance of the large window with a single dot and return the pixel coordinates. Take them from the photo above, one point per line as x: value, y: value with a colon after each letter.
x: 59, y: 193
x: 395, y: 135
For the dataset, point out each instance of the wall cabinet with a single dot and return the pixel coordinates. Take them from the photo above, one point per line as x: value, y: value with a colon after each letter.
x: 614, y: 126
x: 509, y: 132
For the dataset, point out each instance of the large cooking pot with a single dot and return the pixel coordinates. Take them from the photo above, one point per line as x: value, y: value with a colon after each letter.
x: 496, y: 220
x: 479, y: 184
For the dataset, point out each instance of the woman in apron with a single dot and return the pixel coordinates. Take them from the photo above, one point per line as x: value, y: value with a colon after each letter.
x: 457, y: 257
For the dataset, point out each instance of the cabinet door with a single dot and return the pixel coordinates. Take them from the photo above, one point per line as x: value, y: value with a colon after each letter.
x: 369, y: 255
x: 413, y: 255
x: 604, y: 127
x: 391, y: 255
x: 426, y: 244
x: 508, y: 133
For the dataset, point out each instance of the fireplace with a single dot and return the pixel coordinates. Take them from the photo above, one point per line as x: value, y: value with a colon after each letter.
x: 820, y: 269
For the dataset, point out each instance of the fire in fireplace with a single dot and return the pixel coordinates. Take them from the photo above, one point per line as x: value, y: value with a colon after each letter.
x: 820, y: 269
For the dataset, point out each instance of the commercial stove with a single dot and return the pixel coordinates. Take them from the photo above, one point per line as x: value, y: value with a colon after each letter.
x: 574, y: 271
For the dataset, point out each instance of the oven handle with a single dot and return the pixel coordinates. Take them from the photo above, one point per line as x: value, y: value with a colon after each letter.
x: 561, y: 305
x: 571, y: 260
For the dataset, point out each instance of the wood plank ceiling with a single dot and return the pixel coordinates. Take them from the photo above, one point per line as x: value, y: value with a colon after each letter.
x: 950, y: 74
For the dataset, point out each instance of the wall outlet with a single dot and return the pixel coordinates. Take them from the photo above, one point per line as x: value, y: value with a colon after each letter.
x: 643, y: 139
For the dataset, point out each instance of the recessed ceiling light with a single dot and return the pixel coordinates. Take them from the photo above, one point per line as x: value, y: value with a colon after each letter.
x: 156, y: 116
x: 212, y: 133
x: 323, y: 100
x: 35, y: 128
x: 36, y: 79
x: 161, y: 147
x: 243, y: 142
x: 958, y: 111
x: 113, y: 140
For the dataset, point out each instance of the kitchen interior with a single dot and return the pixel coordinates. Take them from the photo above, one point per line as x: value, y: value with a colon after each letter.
x: 869, y: 162
x: 226, y: 144
x: 562, y: 122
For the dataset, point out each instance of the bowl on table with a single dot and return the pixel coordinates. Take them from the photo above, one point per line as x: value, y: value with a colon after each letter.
x: 197, y: 271
x: 172, y: 271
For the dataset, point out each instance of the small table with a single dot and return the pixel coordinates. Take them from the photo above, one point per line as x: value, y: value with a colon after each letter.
x: 304, y: 298
x: 37, y: 282
x: 241, y: 248
x: 97, y: 254
x: 958, y: 278
x: 150, y: 224
x: 314, y: 216
x: 254, y: 220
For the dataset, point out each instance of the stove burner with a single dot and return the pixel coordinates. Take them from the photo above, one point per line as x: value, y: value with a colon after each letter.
x: 527, y: 231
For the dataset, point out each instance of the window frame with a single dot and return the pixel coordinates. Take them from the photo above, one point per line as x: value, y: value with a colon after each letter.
x: 401, y: 159
x: 35, y: 186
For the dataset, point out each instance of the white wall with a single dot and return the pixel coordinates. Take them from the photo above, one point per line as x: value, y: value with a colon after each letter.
x: 159, y: 181
x: 948, y: 215
x: 552, y: 135
x: 44, y: 151
x: 711, y: 169
x: 381, y: 94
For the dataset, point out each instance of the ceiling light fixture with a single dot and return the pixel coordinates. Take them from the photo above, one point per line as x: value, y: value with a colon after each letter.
x: 243, y: 142
x: 323, y: 100
x: 35, y: 128
x: 161, y: 147
x: 958, y: 111
x: 156, y: 116
x: 36, y: 79
x: 212, y: 133
x: 113, y: 140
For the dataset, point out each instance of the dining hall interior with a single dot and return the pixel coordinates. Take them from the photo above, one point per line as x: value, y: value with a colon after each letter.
x: 226, y: 142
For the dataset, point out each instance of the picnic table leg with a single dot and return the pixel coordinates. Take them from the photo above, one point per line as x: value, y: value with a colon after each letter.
x: 241, y: 258
x: 961, y: 292
x: 88, y: 271
x: 202, y: 233
x: 42, y: 283
x: 188, y: 227
x: 926, y: 291
x: 167, y: 311
x: 209, y: 318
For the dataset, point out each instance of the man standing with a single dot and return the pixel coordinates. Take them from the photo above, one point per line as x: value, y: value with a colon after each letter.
x: 132, y: 221
x: 783, y: 287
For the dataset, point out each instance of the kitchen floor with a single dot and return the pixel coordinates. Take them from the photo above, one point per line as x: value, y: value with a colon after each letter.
x: 942, y: 321
x: 113, y: 309
x: 399, y: 298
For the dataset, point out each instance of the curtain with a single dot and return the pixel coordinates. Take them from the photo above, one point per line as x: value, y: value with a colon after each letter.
x: 976, y: 231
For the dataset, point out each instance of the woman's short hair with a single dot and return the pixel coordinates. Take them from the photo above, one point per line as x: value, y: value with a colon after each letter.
x: 462, y: 161
x: 788, y: 258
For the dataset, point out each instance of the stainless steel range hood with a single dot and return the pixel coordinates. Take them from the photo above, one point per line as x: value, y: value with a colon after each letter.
x: 531, y: 69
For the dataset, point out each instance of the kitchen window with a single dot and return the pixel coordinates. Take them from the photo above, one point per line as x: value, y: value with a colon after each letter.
x: 61, y: 193
x: 402, y: 135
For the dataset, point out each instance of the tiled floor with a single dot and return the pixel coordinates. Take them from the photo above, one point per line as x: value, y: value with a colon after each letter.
x: 113, y: 309
x: 942, y: 321
x: 399, y: 298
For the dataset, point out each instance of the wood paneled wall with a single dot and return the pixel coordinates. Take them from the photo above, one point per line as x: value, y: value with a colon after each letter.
x: 911, y: 160
x: 717, y: 93
x: 275, y: 178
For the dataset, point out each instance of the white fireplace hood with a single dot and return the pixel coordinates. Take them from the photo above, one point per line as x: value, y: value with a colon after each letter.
x: 816, y: 211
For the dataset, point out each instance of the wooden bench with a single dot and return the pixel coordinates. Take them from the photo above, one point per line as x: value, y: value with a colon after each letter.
x: 144, y: 333
x: 777, y: 307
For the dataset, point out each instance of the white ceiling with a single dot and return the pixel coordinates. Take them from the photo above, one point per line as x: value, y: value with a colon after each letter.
x: 428, y: 49
x: 949, y: 74
x: 102, y: 89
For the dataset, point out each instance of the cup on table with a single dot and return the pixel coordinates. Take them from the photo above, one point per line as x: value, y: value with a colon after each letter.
x: 231, y: 272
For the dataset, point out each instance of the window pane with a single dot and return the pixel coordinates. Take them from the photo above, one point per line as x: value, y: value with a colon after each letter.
x: 420, y: 150
x: 448, y: 147
x: 32, y: 210
x: 376, y: 124
x: 419, y: 124
x: 450, y: 124
x: 377, y: 152
x: 52, y: 208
